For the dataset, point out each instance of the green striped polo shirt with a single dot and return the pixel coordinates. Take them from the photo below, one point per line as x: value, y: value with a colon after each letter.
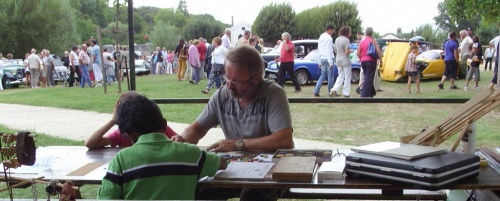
x: 156, y: 168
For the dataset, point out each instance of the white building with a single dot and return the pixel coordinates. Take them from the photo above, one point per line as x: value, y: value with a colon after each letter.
x: 239, y: 29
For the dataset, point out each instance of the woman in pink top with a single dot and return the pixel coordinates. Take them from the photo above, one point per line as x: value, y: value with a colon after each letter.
x: 368, y: 64
x: 100, y: 139
x: 170, y: 57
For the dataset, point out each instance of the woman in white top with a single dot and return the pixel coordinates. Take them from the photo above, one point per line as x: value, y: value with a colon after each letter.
x: 74, y: 65
x: 27, y: 78
x: 218, y: 56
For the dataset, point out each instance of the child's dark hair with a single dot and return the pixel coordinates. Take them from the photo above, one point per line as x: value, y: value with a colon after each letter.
x: 138, y: 115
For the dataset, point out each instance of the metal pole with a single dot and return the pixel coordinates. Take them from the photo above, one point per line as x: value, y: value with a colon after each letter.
x: 118, y: 70
x: 103, y: 71
x: 131, y: 43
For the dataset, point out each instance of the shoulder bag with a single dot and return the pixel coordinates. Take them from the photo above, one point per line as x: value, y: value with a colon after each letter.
x: 372, y: 51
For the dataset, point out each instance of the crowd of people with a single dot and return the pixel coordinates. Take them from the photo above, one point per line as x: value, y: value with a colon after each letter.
x: 196, y: 59
x: 456, y: 55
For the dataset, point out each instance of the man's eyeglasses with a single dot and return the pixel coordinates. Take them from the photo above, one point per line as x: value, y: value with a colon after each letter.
x: 237, y: 83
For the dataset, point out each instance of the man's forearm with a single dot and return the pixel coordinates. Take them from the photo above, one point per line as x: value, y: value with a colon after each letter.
x: 280, y: 140
x: 193, y: 133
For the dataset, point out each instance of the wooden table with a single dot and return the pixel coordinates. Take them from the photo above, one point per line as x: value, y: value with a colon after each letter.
x: 63, y: 160
x: 67, y: 159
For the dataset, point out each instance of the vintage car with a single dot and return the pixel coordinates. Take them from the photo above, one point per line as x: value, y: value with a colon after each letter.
x: 141, y: 67
x: 394, y: 58
x: 61, y: 74
x: 302, y: 48
x: 13, y: 73
x: 430, y: 64
x: 307, y: 70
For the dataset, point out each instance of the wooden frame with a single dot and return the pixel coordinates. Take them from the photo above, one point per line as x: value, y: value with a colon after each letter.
x: 458, y: 120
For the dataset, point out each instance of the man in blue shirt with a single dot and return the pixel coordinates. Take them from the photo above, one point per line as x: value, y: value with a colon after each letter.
x: 450, y: 48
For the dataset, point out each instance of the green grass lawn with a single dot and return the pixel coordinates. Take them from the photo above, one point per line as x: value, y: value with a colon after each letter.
x: 350, y: 124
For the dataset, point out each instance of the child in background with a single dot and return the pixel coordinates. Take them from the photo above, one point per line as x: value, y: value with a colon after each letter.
x: 474, y: 67
x: 170, y: 57
x: 411, y: 69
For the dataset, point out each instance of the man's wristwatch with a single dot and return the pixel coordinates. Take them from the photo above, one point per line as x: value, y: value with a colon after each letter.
x: 239, y: 144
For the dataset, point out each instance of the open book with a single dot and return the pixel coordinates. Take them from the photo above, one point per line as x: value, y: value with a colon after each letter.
x: 245, y: 171
x: 399, y: 150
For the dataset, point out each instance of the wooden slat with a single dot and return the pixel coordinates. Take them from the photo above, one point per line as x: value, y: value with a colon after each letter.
x: 459, y: 119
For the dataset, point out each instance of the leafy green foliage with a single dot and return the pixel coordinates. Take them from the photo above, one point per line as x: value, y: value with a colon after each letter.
x: 203, y: 26
x: 452, y: 17
x: 311, y: 22
x: 29, y: 25
x: 121, y: 34
x: 183, y: 7
x: 488, y: 10
x: 431, y: 34
x: 273, y: 20
x: 164, y: 35
x: 171, y: 16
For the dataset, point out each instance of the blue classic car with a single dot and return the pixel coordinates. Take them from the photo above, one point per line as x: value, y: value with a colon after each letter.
x: 13, y: 73
x: 307, y: 71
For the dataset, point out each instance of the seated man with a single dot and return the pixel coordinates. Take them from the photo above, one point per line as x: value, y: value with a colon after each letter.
x: 98, y: 139
x: 153, y: 168
x: 253, y: 113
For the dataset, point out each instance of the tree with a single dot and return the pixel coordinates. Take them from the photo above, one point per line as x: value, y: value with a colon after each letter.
x: 425, y: 31
x: 86, y: 28
x: 203, y: 26
x: 95, y: 10
x: 452, y: 18
x: 111, y: 32
x: 148, y: 14
x: 27, y: 24
x: 273, y: 20
x: 183, y: 7
x: 311, y: 22
x: 486, y: 32
x: 488, y: 10
x: 172, y: 17
x: 164, y: 35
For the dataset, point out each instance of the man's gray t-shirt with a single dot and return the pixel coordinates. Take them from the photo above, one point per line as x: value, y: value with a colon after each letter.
x: 48, y: 61
x: 341, y: 44
x: 268, y: 113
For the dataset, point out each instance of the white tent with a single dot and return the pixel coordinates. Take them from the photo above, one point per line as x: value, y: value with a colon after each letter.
x: 390, y: 36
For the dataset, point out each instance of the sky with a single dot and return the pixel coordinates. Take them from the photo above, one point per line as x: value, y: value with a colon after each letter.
x: 385, y: 16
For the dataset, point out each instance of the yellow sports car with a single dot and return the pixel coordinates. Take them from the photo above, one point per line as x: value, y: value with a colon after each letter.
x: 430, y: 64
x: 394, y: 61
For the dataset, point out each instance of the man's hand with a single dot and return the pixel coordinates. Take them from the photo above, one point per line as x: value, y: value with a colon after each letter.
x: 223, y: 146
x: 178, y: 138
x: 331, y: 66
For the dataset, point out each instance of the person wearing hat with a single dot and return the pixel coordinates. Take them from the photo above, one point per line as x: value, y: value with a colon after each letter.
x: 474, y: 67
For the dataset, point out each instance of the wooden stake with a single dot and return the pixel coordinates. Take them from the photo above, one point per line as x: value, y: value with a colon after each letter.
x: 464, y: 130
